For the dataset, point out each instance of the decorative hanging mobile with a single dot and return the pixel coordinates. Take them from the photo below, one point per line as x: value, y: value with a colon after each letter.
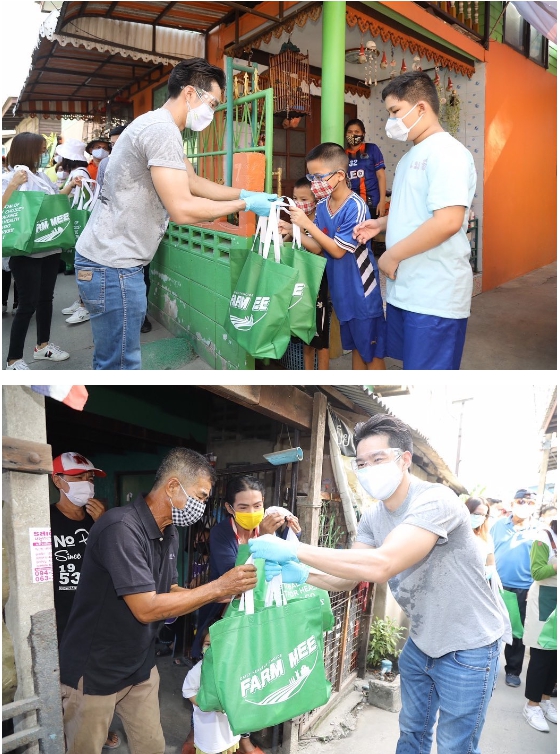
x: 384, y: 62
x: 289, y: 78
x: 371, y: 54
x: 449, y: 84
x: 393, y: 63
x: 416, y: 63
x: 404, y: 69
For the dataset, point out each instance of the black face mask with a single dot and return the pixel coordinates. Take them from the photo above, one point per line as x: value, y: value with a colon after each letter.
x: 201, y: 548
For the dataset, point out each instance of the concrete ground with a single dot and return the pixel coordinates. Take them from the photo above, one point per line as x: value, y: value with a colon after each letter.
x: 511, y: 327
x: 369, y: 730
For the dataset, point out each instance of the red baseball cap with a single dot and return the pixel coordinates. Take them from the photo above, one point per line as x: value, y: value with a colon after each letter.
x: 74, y: 463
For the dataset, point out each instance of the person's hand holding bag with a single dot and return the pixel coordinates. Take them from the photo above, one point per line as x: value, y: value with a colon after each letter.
x: 257, y: 202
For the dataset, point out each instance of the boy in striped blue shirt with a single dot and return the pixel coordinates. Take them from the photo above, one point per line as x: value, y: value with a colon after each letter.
x: 351, y: 268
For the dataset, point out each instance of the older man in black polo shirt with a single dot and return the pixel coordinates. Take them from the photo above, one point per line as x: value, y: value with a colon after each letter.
x: 128, y: 585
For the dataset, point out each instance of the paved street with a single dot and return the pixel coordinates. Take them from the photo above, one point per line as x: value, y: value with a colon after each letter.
x: 511, y: 327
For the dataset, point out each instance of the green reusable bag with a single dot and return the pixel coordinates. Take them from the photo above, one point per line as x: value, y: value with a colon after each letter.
x: 547, y: 638
x: 278, y: 672
x: 303, y: 306
x: 207, y: 696
x: 53, y: 228
x: 84, y: 199
x: 512, y: 605
x: 18, y: 222
x: 258, y: 318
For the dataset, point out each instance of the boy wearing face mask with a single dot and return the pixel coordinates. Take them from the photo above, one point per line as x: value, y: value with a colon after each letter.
x: 351, y: 267
x: 99, y: 149
x: 427, y: 258
x: 513, y: 538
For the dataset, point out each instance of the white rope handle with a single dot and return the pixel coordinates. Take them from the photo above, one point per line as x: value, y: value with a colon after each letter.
x: 260, y: 233
x: 92, y: 188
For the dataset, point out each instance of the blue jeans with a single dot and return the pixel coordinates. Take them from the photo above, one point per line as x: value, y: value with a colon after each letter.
x: 459, y: 685
x: 116, y: 301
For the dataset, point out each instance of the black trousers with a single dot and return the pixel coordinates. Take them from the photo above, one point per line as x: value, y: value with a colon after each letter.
x: 541, y: 674
x: 6, y: 284
x: 35, y: 279
x: 515, y: 651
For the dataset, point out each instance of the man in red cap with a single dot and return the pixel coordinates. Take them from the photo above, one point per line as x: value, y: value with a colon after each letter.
x: 71, y: 520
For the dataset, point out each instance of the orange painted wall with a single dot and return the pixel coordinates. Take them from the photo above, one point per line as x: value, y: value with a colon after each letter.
x: 519, y: 233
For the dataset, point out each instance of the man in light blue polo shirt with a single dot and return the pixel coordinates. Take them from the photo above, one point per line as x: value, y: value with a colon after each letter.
x: 513, y: 538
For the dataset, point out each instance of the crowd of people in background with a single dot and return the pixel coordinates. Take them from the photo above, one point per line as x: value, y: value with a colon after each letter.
x: 423, y: 316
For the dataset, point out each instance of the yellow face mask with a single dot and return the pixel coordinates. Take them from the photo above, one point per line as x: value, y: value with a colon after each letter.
x: 249, y: 520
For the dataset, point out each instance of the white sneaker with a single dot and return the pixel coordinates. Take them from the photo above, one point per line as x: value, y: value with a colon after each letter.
x: 549, y: 710
x: 51, y: 353
x: 80, y: 315
x: 535, y: 718
x: 19, y: 364
x: 72, y: 308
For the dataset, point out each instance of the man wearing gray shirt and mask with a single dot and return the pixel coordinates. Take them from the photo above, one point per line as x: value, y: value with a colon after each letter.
x: 148, y: 182
x: 419, y: 540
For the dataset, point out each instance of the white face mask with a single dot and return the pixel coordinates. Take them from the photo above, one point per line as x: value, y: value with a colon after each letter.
x: 395, y: 128
x: 380, y: 481
x: 80, y: 492
x: 522, y: 511
x: 99, y: 154
x: 190, y: 514
x: 200, y: 117
x: 477, y: 520
x: 63, y: 174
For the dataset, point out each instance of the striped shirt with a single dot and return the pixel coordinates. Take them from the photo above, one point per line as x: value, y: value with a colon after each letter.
x: 353, y: 279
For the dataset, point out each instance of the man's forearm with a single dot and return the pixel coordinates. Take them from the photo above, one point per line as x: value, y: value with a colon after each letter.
x: 349, y: 565
x: 181, y: 601
x: 198, y: 210
x: 331, y: 583
x: 209, y: 190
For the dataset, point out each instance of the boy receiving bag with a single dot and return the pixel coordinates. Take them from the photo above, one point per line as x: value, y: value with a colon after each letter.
x: 351, y: 268
x: 427, y: 258
x: 212, y: 732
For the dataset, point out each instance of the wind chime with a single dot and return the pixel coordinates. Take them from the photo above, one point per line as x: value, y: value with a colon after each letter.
x: 371, y: 55
x: 289, y: 78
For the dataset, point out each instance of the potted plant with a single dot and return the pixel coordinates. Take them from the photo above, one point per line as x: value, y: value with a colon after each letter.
x: 384, y: 688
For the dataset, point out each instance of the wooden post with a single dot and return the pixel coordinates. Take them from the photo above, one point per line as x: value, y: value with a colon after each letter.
x: 309, y: 508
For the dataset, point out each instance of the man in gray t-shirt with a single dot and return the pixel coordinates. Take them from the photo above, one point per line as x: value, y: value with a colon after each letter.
x: 417, y: 538
x: 147, y: 182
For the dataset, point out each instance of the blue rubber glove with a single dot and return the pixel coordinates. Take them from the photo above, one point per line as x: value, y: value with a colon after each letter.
x: 292, y: 572
x: 271, y: 547
x: 257, y: 202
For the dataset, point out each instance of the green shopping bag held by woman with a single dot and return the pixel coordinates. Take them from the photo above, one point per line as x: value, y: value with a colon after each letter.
x: 510, y: 599
x: 548, y: 635
x: 19, y: 217
x: 85, y: 197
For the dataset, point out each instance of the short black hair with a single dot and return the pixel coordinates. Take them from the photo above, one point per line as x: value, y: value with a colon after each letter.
x: 396, y: 431
x: 194, y: 72
x: 474, y: 502
x: 331, y: 153
x: 71, y: 165
x: 186, y: 464
x: 240, y: 484
x: 355, y: 122
x: 302, y: 183
x: 117, y: 130
x: 413, y: 86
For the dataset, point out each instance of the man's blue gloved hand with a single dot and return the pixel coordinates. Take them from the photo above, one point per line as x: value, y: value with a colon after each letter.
x: 271, y: 547
x: 258, y: 202
x: 292, y: 572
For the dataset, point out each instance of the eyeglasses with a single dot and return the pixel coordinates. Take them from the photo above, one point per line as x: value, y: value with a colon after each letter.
x: 375, y: 458
x: 205, y: 95
x: 524, y: 501
x: 320, y: 176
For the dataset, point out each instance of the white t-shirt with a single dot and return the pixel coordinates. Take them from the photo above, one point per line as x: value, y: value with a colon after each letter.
x: 212, y: 733
x: 439, y: 172
x: 486, y: 546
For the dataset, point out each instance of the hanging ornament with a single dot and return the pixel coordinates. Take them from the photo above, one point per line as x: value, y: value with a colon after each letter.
x: 404, y: 69
x: 362, y: 54
x: 371, y: 45
x: 437, y: 80
x: 415, y: 63
x: 384, y: 62
x: 449, y: 84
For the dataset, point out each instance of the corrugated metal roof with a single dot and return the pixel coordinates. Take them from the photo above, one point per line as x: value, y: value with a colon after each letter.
x: 363, y: 396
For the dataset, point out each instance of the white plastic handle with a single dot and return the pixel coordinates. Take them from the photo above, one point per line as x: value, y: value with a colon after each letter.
x: 260, y: 233
x: 33, y: 183
x: 92, y: 188
x: 272, y: 237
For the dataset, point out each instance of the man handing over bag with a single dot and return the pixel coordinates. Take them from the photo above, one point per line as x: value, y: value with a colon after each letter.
x: 147, y: 183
